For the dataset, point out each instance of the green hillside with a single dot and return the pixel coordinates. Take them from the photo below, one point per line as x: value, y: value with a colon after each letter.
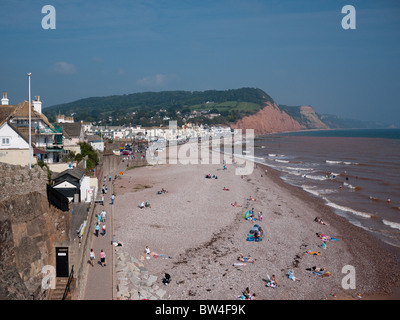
x: 154, y: 108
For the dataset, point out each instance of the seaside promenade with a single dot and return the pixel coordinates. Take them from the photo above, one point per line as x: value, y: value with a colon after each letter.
x: 100, y: 283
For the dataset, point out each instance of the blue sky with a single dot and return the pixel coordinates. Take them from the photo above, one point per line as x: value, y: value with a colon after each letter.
x: 295, y: 50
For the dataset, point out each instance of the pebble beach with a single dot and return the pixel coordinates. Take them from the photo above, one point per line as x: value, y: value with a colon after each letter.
x: 196, y: 235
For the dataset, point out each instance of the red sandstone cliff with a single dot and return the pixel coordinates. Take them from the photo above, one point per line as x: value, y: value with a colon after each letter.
x: 270, y: 119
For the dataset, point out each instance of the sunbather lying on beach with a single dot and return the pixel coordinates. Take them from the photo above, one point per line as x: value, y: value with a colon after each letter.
x: 291, y: 276
x: 323, y: 236
x: 317, y: 269
x: 319, y: 220
x: 235, y: 204
x: 246, y: 259
x: 226, y: 189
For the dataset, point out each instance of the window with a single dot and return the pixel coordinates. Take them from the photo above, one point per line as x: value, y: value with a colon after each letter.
x: 5, y: 141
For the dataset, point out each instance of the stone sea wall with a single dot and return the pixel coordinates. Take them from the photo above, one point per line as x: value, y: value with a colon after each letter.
x: 28, y: 229
x: 19, y: 180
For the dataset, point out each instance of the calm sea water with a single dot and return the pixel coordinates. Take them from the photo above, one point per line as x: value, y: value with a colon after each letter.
x: 356, y: 172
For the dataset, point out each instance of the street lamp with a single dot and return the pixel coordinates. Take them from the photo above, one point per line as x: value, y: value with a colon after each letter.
x: 30, y: 133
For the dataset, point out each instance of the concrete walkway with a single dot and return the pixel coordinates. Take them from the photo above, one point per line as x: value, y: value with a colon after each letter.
x: 100, y: 283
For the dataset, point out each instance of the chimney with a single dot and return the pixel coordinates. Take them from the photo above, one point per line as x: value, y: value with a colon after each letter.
x: 37, y: 104
x: 4, y: 101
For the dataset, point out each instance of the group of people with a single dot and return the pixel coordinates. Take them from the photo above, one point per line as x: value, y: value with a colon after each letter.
x: 252, y: 215
x: 208, y: 176
x: 162, y: 191
x: 92, y: 257
x: 144, y: 204
x: 103, y: 199
x: 101, y: 223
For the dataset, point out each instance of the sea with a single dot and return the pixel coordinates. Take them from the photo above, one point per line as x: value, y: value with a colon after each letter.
x: 356, y: 172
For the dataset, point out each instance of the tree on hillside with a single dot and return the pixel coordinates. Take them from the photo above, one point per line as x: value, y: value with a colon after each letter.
x: 87, y: 150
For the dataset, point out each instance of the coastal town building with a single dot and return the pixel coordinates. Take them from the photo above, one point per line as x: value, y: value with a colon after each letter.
x: 151, y: 134
x: 63, y: 119
x: 73, y: 184
x: 73, y: 134
x: 96, y: 142
x: 46, y: 139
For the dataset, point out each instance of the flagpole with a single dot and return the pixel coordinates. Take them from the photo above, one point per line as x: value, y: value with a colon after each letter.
x: 30, y: 131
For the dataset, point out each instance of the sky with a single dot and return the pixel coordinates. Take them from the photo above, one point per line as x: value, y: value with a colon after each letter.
x: 297, y: 51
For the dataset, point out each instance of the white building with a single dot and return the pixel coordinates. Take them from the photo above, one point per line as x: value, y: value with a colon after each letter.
x: 96, y: 142
x: 63, y: 119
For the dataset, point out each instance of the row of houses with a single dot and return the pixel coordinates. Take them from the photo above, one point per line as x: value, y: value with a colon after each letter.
x: 172, y: 132
x: 49, y: 142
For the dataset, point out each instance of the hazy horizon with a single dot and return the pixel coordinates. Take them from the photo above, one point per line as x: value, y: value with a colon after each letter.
x: 296, y: 51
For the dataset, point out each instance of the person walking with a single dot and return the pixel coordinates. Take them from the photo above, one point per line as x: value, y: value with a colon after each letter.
x: 96, y: 229
x: 112, y: 198
x: 102, y: 258
x: 91, y: 257
x: 104, y: 229
x: 103, y: 215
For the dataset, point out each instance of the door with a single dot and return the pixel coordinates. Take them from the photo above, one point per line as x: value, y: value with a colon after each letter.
x: 62, y: 269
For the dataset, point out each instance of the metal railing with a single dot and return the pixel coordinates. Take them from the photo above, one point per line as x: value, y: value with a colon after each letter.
x: 68, y: 286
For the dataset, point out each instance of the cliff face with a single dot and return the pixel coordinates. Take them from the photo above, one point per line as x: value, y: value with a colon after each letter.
x: 310, y: 119
x: 270, y: 119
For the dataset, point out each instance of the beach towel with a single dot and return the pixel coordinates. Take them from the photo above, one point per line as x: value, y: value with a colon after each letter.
x: 325, y: 238
x: 243, y: 297
x: 250, y: 237
x: 323, y: 274
x: 239, y: 264
x: 315, y: 253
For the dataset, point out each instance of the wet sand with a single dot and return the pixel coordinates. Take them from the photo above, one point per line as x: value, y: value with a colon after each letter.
x: 199, y: 236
